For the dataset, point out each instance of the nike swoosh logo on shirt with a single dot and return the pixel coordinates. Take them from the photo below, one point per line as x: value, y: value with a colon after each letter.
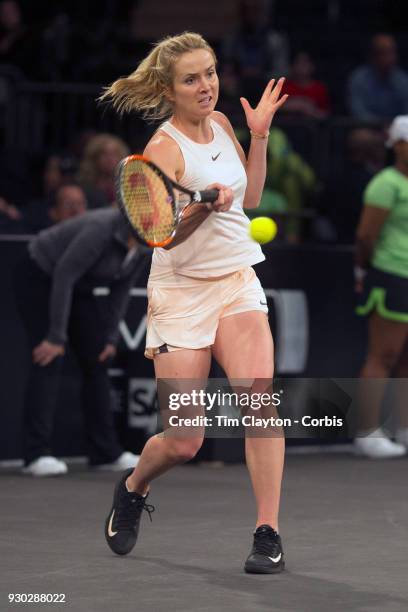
x: 276, y: 559
x: 110, y: 532
x: 216, y: 157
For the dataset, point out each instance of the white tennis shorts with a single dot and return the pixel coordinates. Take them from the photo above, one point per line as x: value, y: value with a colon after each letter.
x: 185, y: 315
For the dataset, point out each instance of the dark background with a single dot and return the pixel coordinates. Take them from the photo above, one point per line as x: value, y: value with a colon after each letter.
x: 335, y: 347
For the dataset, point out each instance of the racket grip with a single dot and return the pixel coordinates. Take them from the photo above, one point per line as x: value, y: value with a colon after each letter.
x: 209, y: 195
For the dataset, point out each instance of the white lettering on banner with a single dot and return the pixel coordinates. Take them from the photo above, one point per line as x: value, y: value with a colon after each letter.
x: 133, y: 342
x: 291, y: 333
x: 142, y: 413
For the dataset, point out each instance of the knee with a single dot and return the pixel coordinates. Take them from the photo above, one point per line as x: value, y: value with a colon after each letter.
x: 185, y: 450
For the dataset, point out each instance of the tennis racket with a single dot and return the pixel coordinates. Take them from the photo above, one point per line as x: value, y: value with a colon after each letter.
x: 146, y: 196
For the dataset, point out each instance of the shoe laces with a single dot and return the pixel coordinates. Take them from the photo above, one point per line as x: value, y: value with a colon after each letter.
x: 266, y: 542
x: 131, y: 511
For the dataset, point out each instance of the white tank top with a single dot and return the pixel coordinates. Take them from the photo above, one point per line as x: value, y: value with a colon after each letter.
x: 221, y: 244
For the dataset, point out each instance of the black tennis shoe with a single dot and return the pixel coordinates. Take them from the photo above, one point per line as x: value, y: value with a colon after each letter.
x: 123, y: 522
x: 266, y: 556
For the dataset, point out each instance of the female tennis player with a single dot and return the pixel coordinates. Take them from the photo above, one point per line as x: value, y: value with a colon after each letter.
x: 204, y: 296
x: 382, y: 285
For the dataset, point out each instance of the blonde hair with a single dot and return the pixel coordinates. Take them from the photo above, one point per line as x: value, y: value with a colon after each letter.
x: 143, y: 90
x: 88, y: 169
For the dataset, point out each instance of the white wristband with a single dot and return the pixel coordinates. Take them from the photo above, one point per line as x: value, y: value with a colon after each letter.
x: 359, y: 273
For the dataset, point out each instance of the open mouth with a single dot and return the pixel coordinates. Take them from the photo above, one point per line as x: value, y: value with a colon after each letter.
x: 205, y: 101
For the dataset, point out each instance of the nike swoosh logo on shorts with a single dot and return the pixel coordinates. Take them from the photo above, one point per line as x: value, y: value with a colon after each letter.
x: 276, y: 559
x: 110, y: 532
x: 216, y: 157
x: 263, y: 303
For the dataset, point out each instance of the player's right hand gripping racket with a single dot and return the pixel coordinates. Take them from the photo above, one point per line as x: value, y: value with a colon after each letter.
x: 146, y: 197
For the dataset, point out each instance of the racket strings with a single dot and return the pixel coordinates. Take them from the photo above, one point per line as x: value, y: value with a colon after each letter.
x: 148, y: 202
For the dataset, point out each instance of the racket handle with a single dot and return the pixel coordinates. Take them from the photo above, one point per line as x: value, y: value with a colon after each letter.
x: 209, y: 195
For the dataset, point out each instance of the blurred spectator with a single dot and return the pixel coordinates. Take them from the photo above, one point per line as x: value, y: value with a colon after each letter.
x: 12, y: 31
x: 57, y: 48
x: 10, y: 218
x: 54, y: 290
x: 11, y: 27
x: 254, y: 53
x: 17, y: 46
x: 79, y: 142
x: 308, y: 96
x: 381, y: 282
x: 98, y: 166
x: 66, y: 45
x: 58, y: 170
x: 290, y: 186
x: 291, y: 176
x: 365, y: 156
x: 379, y: 90
x: 15, y: 189
x: 127, y: 47
x: 103, y: 39
x: 67, y: 201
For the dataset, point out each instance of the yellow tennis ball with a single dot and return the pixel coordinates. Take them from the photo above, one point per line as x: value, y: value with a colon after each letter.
x: 262, y: 229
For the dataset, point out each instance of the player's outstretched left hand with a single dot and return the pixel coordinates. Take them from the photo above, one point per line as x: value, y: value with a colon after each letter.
x: 259, y: 119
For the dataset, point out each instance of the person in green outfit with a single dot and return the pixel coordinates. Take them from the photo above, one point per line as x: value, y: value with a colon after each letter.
x: 381, y: 276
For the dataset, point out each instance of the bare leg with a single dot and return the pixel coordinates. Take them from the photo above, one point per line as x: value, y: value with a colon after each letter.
x: 163, y: 452
x: 244, y: 349
x: 386, y: 340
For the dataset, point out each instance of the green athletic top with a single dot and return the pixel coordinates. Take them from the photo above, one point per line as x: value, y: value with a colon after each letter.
x: 389, y: 189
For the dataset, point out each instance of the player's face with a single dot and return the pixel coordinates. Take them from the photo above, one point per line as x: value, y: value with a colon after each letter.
x: 195, y: 84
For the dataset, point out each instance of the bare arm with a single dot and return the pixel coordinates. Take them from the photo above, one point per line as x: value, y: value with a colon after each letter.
x: 371, y: 221
x: 255, y: 165
x: 165, y: 152
x: 259, y: 120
